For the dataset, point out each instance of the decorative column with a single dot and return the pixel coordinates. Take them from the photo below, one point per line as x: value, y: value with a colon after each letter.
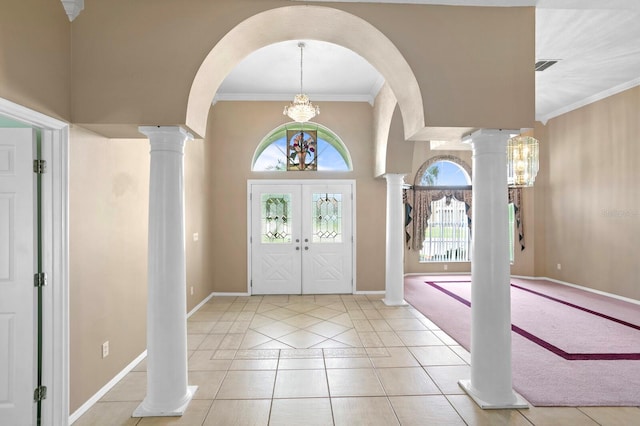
x: 490, y: 384
x: 168, y: 393
x: 394, y: 283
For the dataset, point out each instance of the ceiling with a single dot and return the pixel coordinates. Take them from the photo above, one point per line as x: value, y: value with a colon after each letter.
x: 596, y: 42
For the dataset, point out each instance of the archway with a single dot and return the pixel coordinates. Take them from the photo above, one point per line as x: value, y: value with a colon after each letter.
x: 274, y: 26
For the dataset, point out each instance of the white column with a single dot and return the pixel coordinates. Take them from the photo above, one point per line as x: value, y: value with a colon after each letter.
x: 394, y: 283
x: 168, y: 393
x: 490, y: 384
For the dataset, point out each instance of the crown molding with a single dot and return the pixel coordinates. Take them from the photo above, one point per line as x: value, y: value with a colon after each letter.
x: 73, y: 8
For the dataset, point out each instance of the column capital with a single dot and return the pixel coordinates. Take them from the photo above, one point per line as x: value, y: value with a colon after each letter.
x: 394, y: 178
x: 165, y: 131
x: 484, y: 139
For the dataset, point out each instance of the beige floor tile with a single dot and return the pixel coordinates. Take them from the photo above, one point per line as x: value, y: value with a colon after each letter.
x: 231, y: 341
x: 224, y: 354
x: 361, y: 325
x: 565, y: 416
x: 446, y: 339
x: 613, y: 416
x: 348, y: 363
x: 208, y: 383
x: 229, y: 316
x: 350, y: 338
x: 436, y: 355
x: 356, y: 314
x: 142, y: 366
x: 239, y: 326
x: 380, y: 325
x: 253, y: 338
x: 419, y: 338
x: 247, y: 385
x: 254, y: 364
x: 258, y: 354
x: 475, y: 416
x: 276, y: 329
x: 338, y: 306
x: 221, y: 327
x: 239, y: 412
x: 194, y: 416
x: 302, y: 307
x: 301, y: 384
x: 324, y: 313
x: 447, y: 377
x: 370, y: 339
x: 345, y: 353
x: 396, y: 312
x: 372, y: 314
x: 210, y: 342
x: 302, y: 320
x: 195, y: 340
x: 205, y: 316
x: 302, y: 339
x: 390, y: 339
x: 329, y: 343
x: 132, y: 387
x: 273, y: 344
x: 280, y: 314
x: 432, y: 410
x: 204, y: 361
x: 301, y: 364
x: 109, y: 414
x: 406, y: 381
x: 305, y: 411
x: 354, y: 382
x: 462, y: 353
x: 199, y: 327
x: 301, y: 353
x: 405, y: 324
x: 369, y: 411
x: 327, y: 329
x: 396, y: 357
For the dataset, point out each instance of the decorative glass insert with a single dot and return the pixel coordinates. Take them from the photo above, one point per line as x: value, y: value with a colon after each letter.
x: 274, y: 153
x: 302, y: 150
x: 276, y: 215
x: 327, y: 218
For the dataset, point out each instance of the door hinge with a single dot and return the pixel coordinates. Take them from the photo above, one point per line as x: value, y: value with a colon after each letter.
x: 40, y: 393
x: 39, y: 166
x: 40, y: 279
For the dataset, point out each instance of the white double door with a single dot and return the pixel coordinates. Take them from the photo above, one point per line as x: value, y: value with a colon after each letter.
x: 301, y: 238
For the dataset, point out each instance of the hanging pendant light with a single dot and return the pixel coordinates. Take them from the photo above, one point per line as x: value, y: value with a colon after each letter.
x: 522, y: 161
x: 301, y: 109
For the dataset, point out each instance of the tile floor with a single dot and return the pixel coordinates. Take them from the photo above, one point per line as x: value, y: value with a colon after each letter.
x: 327, y: 360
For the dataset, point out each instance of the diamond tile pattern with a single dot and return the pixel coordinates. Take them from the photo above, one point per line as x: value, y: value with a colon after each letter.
x: 325, y: 360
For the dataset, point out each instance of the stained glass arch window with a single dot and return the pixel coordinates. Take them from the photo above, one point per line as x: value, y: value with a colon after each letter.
x: 303, y: 147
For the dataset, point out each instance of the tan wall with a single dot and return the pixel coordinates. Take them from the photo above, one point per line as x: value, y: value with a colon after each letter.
x: 35, y: 56
x: 233, y: 143
x: 108, y: 209
x: 592, y: 223
x: 145, y: 58
x: 108, y: 217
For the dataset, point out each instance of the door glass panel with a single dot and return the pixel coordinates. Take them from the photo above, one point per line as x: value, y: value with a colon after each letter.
x: 276, y: 218
x: 327, y: 218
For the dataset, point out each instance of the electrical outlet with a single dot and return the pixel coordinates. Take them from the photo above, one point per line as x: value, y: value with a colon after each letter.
x: 195, y: 236
x: 192, y: 290
x: 446, y: 267
x: 559, y: 266
x: 105, y: 349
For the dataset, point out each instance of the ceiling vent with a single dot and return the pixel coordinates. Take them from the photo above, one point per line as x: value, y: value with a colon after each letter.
x: 545, y: 63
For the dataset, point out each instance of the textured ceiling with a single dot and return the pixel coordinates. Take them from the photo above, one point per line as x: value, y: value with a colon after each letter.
x: 596, y: 42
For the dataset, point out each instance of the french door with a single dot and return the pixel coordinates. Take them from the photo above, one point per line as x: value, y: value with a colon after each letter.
x: 301, y: 239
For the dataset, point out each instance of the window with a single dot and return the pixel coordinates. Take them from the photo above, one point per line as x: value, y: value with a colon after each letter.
x: 310, y: 147
x: 447, y: 237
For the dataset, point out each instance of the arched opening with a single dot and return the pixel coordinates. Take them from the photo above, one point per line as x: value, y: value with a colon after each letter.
x: 274, y: 26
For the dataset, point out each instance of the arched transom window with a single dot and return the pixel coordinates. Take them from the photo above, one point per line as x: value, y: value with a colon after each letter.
x: 301, y: 147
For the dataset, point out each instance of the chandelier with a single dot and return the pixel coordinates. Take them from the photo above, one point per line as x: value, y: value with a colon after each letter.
x: 301, y: 109
x: 522, y: 161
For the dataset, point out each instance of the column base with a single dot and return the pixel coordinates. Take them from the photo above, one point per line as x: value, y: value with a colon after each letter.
x: 519, y: 402
x: 394, y: 302
x: 142, y: 411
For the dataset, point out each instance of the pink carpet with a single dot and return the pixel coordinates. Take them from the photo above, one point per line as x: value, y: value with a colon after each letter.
x: 569, y: 347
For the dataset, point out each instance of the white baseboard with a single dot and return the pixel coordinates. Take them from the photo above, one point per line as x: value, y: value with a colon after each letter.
x: 590, y: 290
x: 230, y: 294
x: 106, y: 388
x: 199, y: 305
x: 369, y: 292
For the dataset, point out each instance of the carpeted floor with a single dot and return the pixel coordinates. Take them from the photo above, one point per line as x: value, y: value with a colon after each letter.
x: 570, y: 347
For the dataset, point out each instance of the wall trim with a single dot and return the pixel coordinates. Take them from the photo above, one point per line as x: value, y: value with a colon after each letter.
x: 199, y: 305
x: 106, y: 388
x: 230, y: 294
x: 381, y: 292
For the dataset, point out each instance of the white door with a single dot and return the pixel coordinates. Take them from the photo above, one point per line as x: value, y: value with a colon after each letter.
x: 17, y: 382
x: 301, y: 238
